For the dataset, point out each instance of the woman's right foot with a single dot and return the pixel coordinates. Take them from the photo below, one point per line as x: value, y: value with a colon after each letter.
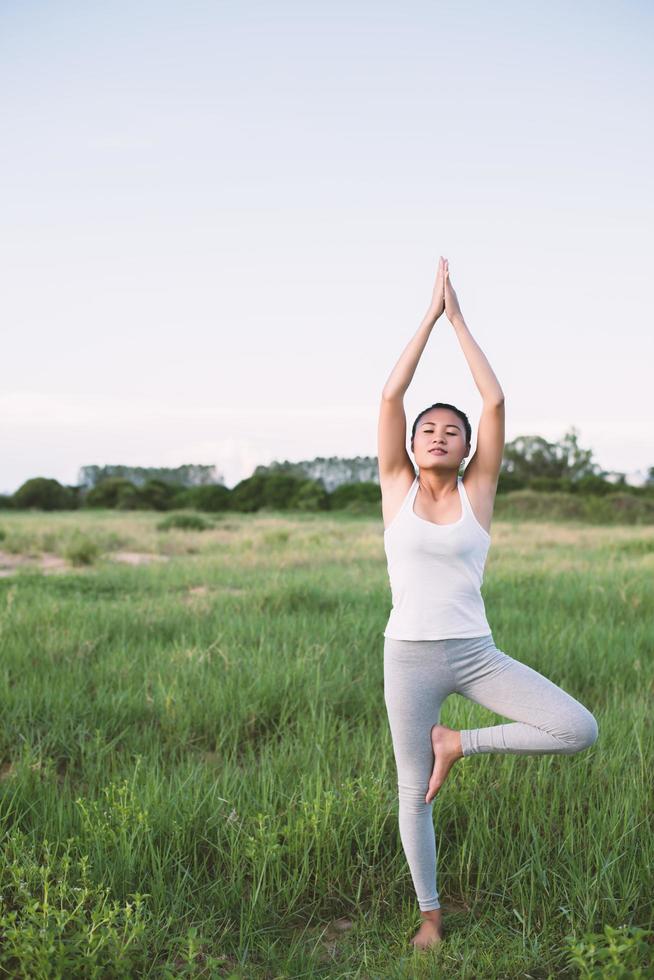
x: 430, y: 932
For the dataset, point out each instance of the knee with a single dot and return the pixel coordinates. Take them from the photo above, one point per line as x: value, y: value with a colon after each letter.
x: 412, y: 799
x: 585, y: 732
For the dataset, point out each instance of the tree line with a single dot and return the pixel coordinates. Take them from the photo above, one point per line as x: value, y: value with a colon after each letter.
x: 529, y: 463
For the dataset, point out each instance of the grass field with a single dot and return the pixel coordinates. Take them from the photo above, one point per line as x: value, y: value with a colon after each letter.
x: 197, y: 776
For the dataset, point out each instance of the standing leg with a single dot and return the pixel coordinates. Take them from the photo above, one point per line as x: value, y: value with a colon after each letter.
x: 547, y: 719
x: 417, y: 679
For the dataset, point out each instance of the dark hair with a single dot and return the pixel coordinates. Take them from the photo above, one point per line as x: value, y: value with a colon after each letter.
x: 453, y: 408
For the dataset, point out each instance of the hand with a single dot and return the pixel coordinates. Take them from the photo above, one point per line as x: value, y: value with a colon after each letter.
x: 437, y: 304
x: 452, y: 308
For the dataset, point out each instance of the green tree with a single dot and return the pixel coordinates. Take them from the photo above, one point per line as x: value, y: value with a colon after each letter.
x: 44, y: 493
x: 112, y: 492
x: 532, y: 457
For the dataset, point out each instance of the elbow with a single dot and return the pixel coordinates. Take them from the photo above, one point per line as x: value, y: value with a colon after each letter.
x: 496, y: 401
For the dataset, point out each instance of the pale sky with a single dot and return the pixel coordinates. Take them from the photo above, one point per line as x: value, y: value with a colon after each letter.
x: 221, y: 223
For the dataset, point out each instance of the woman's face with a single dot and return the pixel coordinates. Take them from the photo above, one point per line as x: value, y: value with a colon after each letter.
x: 440, y: 440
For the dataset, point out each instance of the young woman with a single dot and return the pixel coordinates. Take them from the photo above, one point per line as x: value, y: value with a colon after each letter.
x: 437, y: 639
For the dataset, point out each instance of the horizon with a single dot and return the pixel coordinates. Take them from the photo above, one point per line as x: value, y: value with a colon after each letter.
x: 635, y: 478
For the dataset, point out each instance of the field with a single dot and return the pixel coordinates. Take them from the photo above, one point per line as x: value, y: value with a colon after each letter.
x: 197, y: 775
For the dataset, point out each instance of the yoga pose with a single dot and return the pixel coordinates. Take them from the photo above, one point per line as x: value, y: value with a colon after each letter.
x: 437, y: 639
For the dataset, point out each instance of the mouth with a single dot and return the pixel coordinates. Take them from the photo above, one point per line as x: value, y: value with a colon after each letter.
x: 438, y: 452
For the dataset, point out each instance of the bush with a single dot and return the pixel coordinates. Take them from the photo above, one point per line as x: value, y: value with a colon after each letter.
x: 311, y: 495
x: 45, y: 494
x: 186, y: 522
x: 547, y: 484
x: 55, y: 921
x: 111, y: 493
x: 276, y: 492
x: 81, y: 550
x: 363, y: 493
x: 211, y: 497
x: 508, y: 482
x: 156, y: 495
x: 593, y: 484
x: 624, y: 953
x: 614, y: 508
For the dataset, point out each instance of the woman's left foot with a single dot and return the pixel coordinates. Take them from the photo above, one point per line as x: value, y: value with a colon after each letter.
x: 429, y: 934
x: 446, y: 743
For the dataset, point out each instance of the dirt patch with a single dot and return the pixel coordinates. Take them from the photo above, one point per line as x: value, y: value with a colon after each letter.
x: 199, y: 592
x: 136, y: 557
x: 47, y: 562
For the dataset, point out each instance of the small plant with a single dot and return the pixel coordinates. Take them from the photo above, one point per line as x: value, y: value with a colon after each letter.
x: 81, y: 550
x: 186, y: 522
x: 56, y: 921
x: 624, y: 953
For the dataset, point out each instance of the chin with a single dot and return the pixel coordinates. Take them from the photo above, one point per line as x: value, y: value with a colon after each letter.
x: 444, y: 462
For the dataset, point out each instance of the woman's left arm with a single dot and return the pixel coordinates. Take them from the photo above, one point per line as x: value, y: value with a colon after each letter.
x: 482, y: 372
x: 487, y: 460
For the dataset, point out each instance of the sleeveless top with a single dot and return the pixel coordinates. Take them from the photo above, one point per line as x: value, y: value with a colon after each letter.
x: 435, y: 573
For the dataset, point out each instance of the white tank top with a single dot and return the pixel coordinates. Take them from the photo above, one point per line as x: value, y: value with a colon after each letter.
x: 436, y: 572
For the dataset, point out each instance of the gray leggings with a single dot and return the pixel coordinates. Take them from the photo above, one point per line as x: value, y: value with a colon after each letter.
x: 418, y: 676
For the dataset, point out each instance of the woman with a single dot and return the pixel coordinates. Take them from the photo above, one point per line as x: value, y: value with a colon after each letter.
x: 437, y: 639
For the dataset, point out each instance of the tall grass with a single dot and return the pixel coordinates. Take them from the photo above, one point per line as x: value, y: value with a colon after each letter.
x: 197, y: 776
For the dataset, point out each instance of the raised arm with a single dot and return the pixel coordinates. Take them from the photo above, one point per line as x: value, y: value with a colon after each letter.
x: 392, y: 455
x: 484, y: 467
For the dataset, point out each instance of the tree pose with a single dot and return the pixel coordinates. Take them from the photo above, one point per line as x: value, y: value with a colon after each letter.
x: 437, y: 639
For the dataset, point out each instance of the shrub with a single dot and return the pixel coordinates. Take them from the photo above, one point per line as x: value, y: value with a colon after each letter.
x: 362, y: 493
x: 509, y: 481
x: 620, y: 954
x: 81, y: 550
x: 212, y: 497
x: 55, y: 921
x: 45, y: 494
x: 270, y: 492
x: 186, y: 522
x: 156, y: 495
x: 110, y: 492
x: 311, y: 495
x: 593, y: 484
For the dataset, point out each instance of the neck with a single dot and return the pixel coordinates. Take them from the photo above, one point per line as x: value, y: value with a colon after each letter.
x: 438, y: 484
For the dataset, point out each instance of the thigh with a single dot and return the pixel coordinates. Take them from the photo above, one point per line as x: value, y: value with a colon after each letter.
x: 417, y: 679
x: 513, y: 689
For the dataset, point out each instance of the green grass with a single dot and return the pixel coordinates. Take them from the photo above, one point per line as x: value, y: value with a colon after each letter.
x: 197, y: 776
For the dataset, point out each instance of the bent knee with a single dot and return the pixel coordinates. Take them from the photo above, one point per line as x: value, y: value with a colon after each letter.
x: 584, y: 733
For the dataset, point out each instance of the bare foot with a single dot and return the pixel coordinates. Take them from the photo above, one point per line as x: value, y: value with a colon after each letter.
x: 430, y: 932
x: 446, y: 743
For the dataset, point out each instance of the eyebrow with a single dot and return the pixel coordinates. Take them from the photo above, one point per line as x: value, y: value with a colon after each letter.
x: 447, y: 425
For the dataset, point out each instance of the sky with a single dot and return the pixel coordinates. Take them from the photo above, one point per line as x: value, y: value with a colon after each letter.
x: 221, y: 223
